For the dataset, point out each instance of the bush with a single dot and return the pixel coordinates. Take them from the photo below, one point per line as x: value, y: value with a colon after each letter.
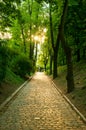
x: 11, y: 55
x: 3, y: 62
x: 22, y: 66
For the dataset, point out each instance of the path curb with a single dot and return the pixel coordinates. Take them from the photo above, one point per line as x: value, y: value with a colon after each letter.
x: 72, y: 106
x: 13, y: 94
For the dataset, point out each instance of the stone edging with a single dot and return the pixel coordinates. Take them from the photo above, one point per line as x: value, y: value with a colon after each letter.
x: 13, y: 94
x: 73, y: 107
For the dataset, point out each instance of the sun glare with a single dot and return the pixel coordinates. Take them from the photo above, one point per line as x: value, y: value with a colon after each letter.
x: 36, y: 38
x: 5, y: 35
x: 45, y: 30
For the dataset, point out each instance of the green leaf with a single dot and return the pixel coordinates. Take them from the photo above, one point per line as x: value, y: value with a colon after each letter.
x: 73, y: 2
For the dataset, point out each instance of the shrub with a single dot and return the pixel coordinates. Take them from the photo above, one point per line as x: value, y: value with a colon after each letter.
x: 22, y: 66
x: 3, y: 62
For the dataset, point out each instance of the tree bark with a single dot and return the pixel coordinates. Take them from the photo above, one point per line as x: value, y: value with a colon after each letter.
x: 23, y: 37
x: 36, y: 49
x: 67, y: 50
x: 78, y: 55
x: 69, y: 77
x: 45, y: 67
x: 78, y: 50
x: 54, y: 46
x: 55, y: 65
x: 51, y: 60
x: 30, y: 13
x: 51, y: 26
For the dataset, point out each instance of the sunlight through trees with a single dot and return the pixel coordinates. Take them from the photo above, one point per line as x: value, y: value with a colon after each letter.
x: 46, y: 33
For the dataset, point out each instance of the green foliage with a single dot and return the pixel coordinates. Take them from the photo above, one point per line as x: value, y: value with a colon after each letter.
x: 44, y: 55
x: 3, y: 62
x: 22, y: 66
x: 73, y: 2
x: 61, y: 57
x: 75, y: 29
x: 16, y: 32
x: 8, y: 8
x: 29, y: 18
x: 62, y: 69
x: 12, y: 78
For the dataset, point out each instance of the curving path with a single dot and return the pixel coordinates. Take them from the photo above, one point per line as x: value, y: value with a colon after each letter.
x: 39, y: 106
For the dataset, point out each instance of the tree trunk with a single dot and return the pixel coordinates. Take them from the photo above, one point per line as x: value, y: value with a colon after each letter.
x: 23, y: 37
x: 51, y: 26
x: 55, y: 65
x: 67, y: 50
x: 51, y: 60
x: 36, y: 49
x: 70, y: 80
x: 30, y: 13
x: 78, y: 55
x: 78, y: 49
x: 45, y: 67
x: 31, y: 55
x: 54, y: 46
x: 69, y: 77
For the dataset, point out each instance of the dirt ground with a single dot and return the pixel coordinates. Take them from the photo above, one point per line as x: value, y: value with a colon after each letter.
x: 6, y: 90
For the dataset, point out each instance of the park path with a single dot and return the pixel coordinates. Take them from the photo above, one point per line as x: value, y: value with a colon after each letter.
x: 39, y: 106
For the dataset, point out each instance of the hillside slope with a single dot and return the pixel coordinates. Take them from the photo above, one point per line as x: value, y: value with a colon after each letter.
x: 9, y: 85
x: 78, y: 96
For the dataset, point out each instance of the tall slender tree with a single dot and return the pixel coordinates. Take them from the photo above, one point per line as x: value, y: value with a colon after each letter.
x: 67, y: 50
x: 55, y: 46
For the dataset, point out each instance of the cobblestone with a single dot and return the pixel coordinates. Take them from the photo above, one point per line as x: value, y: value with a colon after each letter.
x: 39, y: 106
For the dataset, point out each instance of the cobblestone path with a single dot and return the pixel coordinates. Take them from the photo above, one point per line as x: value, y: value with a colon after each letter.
x: 39, y: 106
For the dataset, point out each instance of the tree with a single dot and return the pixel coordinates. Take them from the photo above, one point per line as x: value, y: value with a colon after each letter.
x: 55, y: 43
x: 16, y: 23
x: 8, y: 10
x: 44, y: 54
x: 67, y: 50
x: 75, y: 26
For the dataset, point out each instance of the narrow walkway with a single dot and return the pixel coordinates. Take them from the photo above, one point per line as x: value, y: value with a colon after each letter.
x: 39, y: 106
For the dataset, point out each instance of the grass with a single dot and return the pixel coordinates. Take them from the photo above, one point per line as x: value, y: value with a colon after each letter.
x: 12, y: 78
x: 9, y: 85
x: 78, y: 96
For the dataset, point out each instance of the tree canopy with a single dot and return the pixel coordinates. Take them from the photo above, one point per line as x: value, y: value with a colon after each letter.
x: 49, y: 33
